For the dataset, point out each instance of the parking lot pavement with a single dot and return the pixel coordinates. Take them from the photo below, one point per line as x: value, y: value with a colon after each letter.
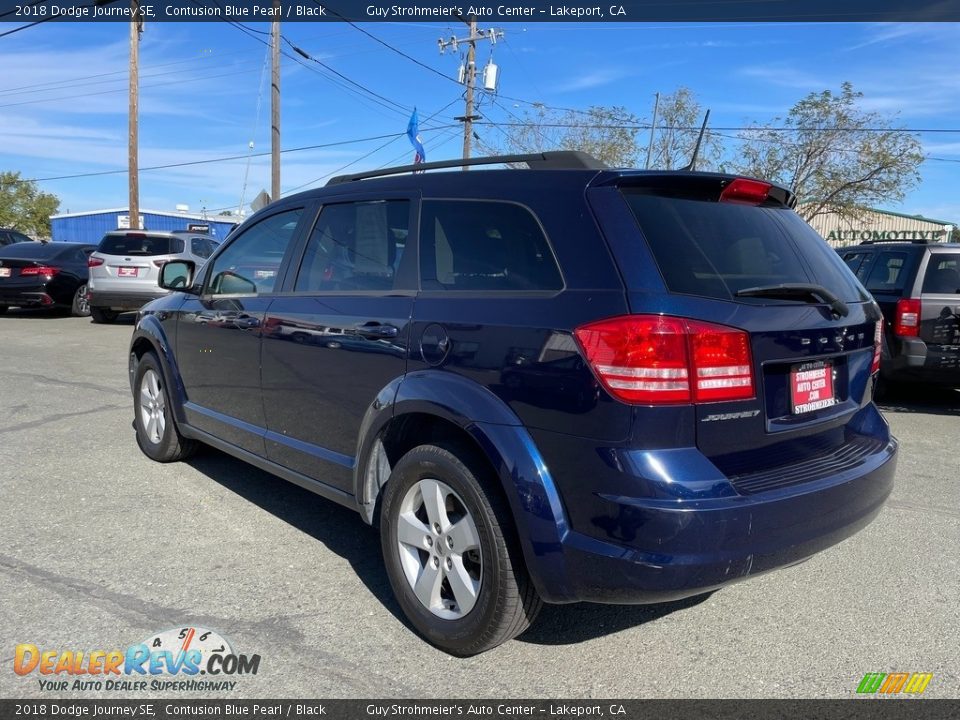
x: 101, y: 548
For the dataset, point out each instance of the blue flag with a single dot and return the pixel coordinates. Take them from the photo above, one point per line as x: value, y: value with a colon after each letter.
x: 413, y: 133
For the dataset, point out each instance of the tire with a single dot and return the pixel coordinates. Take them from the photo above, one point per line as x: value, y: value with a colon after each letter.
x: 157, y: 433
x: 103, y: 315
x: 80, y: 307
x: 474, y: 517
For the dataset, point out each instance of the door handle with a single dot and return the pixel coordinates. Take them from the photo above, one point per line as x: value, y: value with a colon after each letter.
x: 377, y: 331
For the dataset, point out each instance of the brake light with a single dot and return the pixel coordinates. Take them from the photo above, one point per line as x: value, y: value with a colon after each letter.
x: 877, y: 343
x: 159, y: 263
x: 907, y: 320
x: 48, y: 270
x: 657, y: 359
x: 94, y: 262
x: 745, y: 192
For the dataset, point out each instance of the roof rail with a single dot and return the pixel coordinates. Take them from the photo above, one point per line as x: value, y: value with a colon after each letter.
x: 554, y: 160
x: 912, y: 241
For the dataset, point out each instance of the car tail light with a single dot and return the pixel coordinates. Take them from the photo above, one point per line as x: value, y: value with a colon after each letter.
x: 94, y: 262
x: 907, y: 320
x: 745, y: 192
x: 657, y: 359
x: 159, y: 263
x: 877, y: 344
x: 40, y: 270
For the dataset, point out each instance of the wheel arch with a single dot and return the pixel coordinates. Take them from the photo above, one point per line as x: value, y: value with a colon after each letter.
x: 435, y: 406
x: 149, y: 336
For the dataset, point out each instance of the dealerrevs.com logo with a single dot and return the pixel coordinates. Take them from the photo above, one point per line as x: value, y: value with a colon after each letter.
x: 167, y: 661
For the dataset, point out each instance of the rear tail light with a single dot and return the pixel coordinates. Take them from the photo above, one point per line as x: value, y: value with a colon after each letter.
x: 159, y: 263
x: 877, y: 343
x: 907, y: 320
x: 745, y: 192
x: 655, y: 359
x: 40, y: 270
x: 94, y: 262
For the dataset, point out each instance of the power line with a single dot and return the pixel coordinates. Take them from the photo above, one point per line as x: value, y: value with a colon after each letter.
x: 208, y: 161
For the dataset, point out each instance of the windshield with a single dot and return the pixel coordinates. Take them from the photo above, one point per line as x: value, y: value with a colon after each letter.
x: 715, y: 249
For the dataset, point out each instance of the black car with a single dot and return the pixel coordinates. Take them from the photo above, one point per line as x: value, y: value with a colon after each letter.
x: 50, y: 275
x: 917, y: 285
x: 9, y: 237
x: 545, y: 384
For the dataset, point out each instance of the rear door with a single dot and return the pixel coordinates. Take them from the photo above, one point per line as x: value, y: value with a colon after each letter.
x: 708, y: 259
x: 940, y: 308
x: 339, y: 333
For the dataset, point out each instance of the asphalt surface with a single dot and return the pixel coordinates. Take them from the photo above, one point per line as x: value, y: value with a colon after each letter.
x: 101, y: 548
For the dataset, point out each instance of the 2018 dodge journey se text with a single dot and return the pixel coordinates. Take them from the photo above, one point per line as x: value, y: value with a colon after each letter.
x: 550, y: 383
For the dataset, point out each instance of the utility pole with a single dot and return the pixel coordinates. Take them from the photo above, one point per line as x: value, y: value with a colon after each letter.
x: 133, y: 117
x: 653, y: 130
x: 275, y: 105
x: 469, y: 72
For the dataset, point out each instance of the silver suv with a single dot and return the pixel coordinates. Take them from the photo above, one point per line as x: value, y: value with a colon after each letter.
x: 126, y: 265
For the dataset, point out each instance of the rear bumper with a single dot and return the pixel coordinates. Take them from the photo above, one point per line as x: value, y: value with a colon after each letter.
x: 917, y: 361
x: 34, y: 296
x: 699, y: 533
x: 736, y: 538
x: 123, y: 300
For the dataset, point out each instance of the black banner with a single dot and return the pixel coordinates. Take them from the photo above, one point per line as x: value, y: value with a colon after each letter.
x: 446, y: 11
x: 872, y: 709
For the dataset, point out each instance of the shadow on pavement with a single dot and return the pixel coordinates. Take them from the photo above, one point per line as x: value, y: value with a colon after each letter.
x: 342, y: 531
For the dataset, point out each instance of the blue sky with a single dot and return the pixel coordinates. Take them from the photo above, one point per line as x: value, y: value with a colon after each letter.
x: 63, y: 100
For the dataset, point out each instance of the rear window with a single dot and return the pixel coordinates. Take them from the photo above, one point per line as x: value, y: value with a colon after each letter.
x: 714, y: 249
x: 943, y: 274
x: 142, y: 245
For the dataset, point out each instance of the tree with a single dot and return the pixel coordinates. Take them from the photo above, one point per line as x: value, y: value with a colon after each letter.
x: 607, y: 133
x: 24, y: 207
x: 679, y: 117
x: 836, y: 156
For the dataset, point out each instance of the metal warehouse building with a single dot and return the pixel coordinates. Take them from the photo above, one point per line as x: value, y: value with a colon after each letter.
x: 89, y: 227
x: 881, y: 225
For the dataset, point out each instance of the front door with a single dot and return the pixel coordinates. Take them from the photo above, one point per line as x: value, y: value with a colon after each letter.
x: 218, y: 332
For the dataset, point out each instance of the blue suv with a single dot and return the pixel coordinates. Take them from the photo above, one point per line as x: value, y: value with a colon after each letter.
x: 552, y: 382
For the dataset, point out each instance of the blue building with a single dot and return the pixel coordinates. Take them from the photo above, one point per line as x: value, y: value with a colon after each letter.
x: 89, y: 227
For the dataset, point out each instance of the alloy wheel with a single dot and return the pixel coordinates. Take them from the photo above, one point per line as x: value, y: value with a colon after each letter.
x: 439, y: 549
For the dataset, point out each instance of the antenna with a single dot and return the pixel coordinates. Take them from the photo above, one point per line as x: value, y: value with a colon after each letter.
x: 696, y: 148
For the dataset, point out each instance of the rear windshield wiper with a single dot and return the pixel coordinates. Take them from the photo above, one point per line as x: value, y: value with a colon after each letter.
x: 792, y: 290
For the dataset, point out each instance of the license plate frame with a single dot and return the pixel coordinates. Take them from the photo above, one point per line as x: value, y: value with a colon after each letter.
x: 128, y: 271
x: 812, y: 387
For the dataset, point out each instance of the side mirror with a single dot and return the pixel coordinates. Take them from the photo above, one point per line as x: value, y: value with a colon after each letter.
x: 177, y: 275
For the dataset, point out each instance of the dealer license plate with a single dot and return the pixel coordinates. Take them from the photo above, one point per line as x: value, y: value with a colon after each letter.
x: 127, y: 272
x: 811, y: 387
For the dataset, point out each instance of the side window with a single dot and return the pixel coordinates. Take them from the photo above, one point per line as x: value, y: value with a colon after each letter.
x: 249, y: 266
x: 480, y: 245
x: 355, y: 246
x: 855, y: 261
x: 943, y: 274
x: 887, y: 274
